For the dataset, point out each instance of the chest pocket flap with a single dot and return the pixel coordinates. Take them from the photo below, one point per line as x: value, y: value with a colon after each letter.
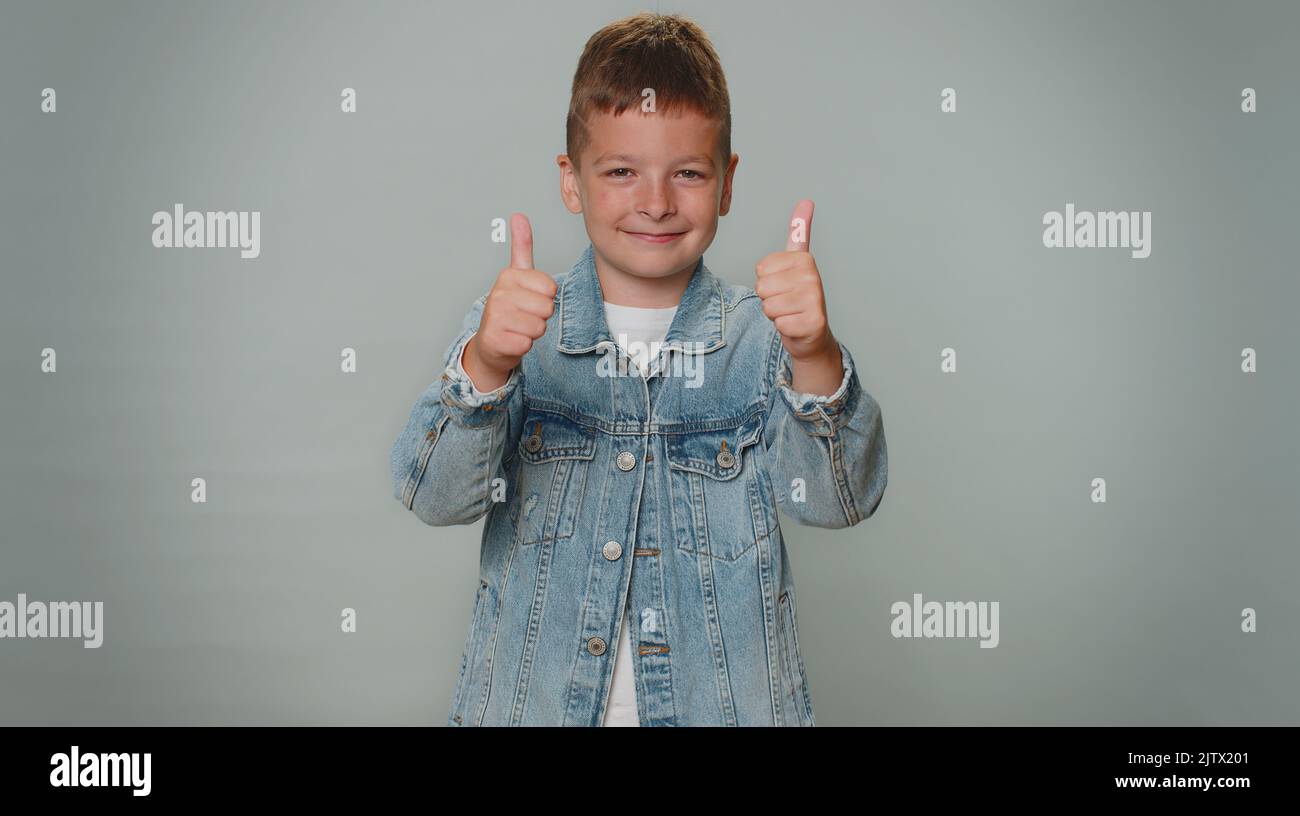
x: 551, y: 436
x: 717, y: 454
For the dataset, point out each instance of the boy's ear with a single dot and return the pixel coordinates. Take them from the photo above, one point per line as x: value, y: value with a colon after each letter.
x: 569, y: 184
x: 725, y: 204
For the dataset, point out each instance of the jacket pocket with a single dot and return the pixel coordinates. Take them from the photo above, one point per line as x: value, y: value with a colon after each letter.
x: 717, y: 490
x: 797, y: 700
x: 555, y: 454
x: 481, y: 627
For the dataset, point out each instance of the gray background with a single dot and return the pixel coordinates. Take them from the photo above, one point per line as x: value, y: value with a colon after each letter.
x: 375, y: 234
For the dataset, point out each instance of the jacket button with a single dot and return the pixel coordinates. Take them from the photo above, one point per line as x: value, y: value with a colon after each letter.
x: 726, y: 459
x: 596, y: 646
x: 612, y: 550
x: 533, y: 443
x: 626, y: 461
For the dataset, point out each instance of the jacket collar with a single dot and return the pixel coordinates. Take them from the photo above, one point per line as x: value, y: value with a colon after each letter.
x: 697, y: 326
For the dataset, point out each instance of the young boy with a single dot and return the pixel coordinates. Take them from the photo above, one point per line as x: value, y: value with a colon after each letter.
x: 630, y: 428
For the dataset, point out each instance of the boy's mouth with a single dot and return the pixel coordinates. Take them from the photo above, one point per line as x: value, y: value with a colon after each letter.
x: 655, y: 237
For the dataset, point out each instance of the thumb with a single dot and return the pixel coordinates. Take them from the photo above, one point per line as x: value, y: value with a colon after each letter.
x: 521, y: 242
x: 800, y: 228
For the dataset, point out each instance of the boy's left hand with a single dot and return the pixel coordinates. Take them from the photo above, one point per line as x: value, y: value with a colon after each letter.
x: 791, y: 290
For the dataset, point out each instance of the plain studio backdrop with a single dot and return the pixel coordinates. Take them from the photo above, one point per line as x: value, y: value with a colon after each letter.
x: 1073, y: 364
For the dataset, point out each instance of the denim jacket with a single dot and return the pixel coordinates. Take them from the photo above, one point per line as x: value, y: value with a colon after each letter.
x: 608, y: 492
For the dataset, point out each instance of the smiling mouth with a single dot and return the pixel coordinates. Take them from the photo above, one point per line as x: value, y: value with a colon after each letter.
x: 656, y: 237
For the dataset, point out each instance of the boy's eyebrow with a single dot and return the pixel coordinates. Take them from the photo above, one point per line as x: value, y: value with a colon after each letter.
x: 623, y: 157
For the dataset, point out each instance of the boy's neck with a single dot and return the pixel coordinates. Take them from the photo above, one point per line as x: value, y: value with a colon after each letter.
x: 621, y: 289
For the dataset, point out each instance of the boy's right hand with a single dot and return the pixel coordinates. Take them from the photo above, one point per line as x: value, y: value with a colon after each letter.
x: 515, y: 314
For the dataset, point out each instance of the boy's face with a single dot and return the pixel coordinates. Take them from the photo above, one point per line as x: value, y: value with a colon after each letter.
x: 648, y: 174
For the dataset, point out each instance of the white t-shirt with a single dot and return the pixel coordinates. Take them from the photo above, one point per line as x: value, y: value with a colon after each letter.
x: 644, y: 329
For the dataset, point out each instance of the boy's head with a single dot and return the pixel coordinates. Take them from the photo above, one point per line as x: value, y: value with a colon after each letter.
x: 649, y: 152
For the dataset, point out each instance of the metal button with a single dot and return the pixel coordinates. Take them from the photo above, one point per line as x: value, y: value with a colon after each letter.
x: 726, y: 459
x: 596, y: 646
x: 626, y: 461
x: 533, y: 443
x: 612, y: 550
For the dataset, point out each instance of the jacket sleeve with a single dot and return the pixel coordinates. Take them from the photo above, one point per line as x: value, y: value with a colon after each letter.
x: 457, y: 441
x: 835, y: 446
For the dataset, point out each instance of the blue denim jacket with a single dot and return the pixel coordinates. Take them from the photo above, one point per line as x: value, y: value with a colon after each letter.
x: 601, y: 485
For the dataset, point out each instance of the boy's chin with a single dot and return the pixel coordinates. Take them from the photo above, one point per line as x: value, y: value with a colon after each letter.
x: 649, y: 260
x: 651, y: 268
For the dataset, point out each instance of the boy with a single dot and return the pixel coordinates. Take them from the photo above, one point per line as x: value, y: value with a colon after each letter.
x: 632, y: 569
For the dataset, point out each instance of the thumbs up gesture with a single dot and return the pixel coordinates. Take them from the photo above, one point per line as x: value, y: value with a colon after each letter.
x: 514, y: 316
x: 791, y: 290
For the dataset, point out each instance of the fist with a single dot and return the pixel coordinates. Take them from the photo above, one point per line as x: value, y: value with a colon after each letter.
x: 515, y: 314
x: 791, y: 290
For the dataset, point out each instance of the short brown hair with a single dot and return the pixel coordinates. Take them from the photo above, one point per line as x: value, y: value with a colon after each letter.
x: 666, y: 52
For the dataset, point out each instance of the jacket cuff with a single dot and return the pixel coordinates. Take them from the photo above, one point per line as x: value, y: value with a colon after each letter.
x: 475, y: 407
x: 825, y: 414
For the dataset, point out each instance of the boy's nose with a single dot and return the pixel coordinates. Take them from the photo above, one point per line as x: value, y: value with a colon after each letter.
x: 657, y: 201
